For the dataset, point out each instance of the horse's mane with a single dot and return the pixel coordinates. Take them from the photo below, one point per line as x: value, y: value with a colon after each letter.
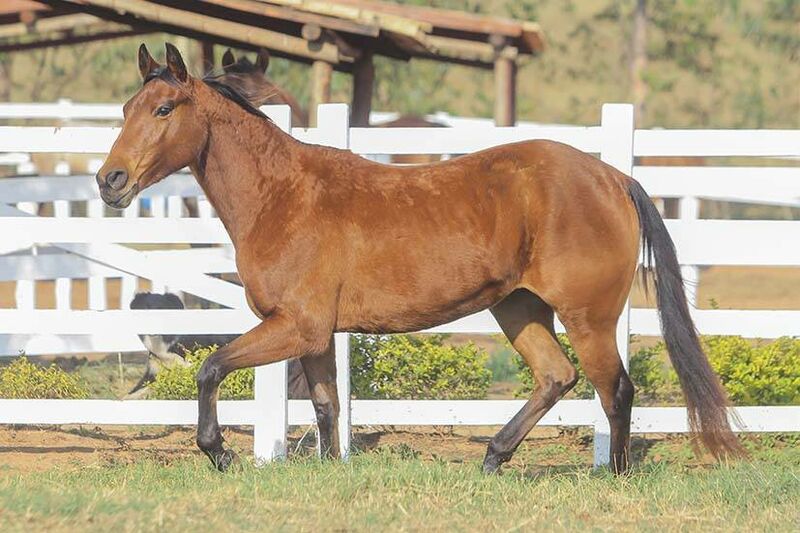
x: 229, y: 92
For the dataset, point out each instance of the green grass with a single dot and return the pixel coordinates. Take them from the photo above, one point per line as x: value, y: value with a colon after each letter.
x: 390, y: 489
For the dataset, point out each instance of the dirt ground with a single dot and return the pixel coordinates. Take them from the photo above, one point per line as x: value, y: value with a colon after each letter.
x: 39, y: 448
x: 36, y: 448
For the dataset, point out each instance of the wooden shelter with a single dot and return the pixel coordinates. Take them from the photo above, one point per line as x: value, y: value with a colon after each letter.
x: 339, y: 35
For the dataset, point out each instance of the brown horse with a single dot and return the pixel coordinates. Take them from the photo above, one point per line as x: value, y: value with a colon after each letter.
x: 327, y: 241
x: 250, y: 80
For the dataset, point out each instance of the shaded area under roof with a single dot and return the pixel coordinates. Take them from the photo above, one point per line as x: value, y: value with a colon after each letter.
x: 336, y: 32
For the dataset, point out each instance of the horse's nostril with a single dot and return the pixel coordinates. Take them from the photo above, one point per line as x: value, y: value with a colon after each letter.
x: 116, y: 179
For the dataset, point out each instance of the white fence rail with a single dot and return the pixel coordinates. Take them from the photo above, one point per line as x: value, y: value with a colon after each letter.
x: 67, y: 247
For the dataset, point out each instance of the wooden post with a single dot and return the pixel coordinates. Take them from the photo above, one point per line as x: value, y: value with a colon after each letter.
x: 363, y: 81
x: 505, y: 91
x: 207, y: 56
x: 321, y: 73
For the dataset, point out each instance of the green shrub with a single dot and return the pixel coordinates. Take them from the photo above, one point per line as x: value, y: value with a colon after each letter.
x: 752, y: 373
x: 179, y: 382
x: 411, y: 367
x: 25, y: 380
x: 757, y: 374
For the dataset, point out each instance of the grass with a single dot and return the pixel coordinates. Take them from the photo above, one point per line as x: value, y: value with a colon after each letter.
x: 391, y: 488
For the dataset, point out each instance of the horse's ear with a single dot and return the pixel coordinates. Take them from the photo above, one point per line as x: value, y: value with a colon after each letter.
x: 228, y: 60
x: 175, y: 63
x: 146, y: 62
x: 262, y: 61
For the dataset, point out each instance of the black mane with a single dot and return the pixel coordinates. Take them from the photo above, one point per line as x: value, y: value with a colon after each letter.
x: 224, y: 89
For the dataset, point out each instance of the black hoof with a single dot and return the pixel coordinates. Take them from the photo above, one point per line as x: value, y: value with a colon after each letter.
x: 492, y: 462
x: 491, y: 465
x: 223, y: 461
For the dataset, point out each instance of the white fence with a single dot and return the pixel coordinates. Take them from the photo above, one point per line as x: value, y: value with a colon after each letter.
x: 88, y: 247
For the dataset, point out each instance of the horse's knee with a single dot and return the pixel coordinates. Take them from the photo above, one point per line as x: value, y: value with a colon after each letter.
x: 568, y: 379
x: 560, y: 380
x: 210, y: 373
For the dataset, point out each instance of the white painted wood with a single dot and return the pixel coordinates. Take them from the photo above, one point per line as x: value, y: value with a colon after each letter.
x: 333, y: 128
x: 51, y: 262
x: 132, y: 262
x: 689, y: 211
x: 762, y: 185
x: 83, y: 187
x: 130, y: 283
x: 96, y: 284
x: 61, y: 210
x: 755, y: 324
x: 769, y: 143
x: 25, y: 290
x: 736, y: 242
x: 62, y: 110
x: 174, y: 206
x: 371, y: 412
x: 48, y: 139
x: 113, y: 230
x: 151, y: 321
x: 342, y: 347
x: 456, y: 141
x: 272, y: 420
x: 617, y: 150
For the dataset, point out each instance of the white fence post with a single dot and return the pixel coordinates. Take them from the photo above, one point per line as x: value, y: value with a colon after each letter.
x: 61, y: 209
x: 128, y: 283
x: 25, y: 291
x: 271, y: 387
x: 333, y: 122
x: 689, y: 210
x: 96, y: 285
x: 616, y: 150
x: 342, y: 346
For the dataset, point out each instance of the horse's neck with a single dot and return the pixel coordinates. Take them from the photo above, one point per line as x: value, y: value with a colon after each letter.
x: 244, y: 170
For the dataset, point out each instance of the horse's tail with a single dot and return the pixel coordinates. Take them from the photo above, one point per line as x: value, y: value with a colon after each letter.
x: 706, y: 400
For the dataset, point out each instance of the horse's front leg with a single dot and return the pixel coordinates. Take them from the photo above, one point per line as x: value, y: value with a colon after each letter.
x: 280, y: 336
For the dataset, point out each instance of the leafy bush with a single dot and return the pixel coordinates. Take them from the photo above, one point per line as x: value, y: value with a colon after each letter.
x: 763, y: 374
x: 752, y: 373
x: 411, y: 367
x: 25, y: 380
x: 179, y: 382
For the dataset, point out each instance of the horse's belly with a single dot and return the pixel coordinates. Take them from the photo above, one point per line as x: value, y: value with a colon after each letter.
x: 399, y: 308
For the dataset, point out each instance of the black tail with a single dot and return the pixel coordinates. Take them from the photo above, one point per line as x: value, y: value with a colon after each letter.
x: 706, y: 400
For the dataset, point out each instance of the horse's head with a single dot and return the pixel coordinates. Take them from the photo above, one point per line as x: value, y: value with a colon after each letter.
x: 248, y: 79
x: 251, y: 81
x: 163, y: 130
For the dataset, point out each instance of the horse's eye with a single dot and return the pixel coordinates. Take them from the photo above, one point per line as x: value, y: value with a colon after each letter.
x: 163, y: 110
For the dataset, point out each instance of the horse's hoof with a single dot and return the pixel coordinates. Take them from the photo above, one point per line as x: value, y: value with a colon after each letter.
x: 225, y: 460
x: 491, y: 465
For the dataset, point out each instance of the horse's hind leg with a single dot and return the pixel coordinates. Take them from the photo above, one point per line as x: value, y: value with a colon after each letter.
x: 596, y: 346
x: 320, y: 371
x: 527, y: 321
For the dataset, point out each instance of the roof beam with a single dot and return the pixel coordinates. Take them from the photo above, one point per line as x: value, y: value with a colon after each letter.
x: 300, y: 17
x: 222, y: 28
x: 43, y: 25
x: 68, y: 40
